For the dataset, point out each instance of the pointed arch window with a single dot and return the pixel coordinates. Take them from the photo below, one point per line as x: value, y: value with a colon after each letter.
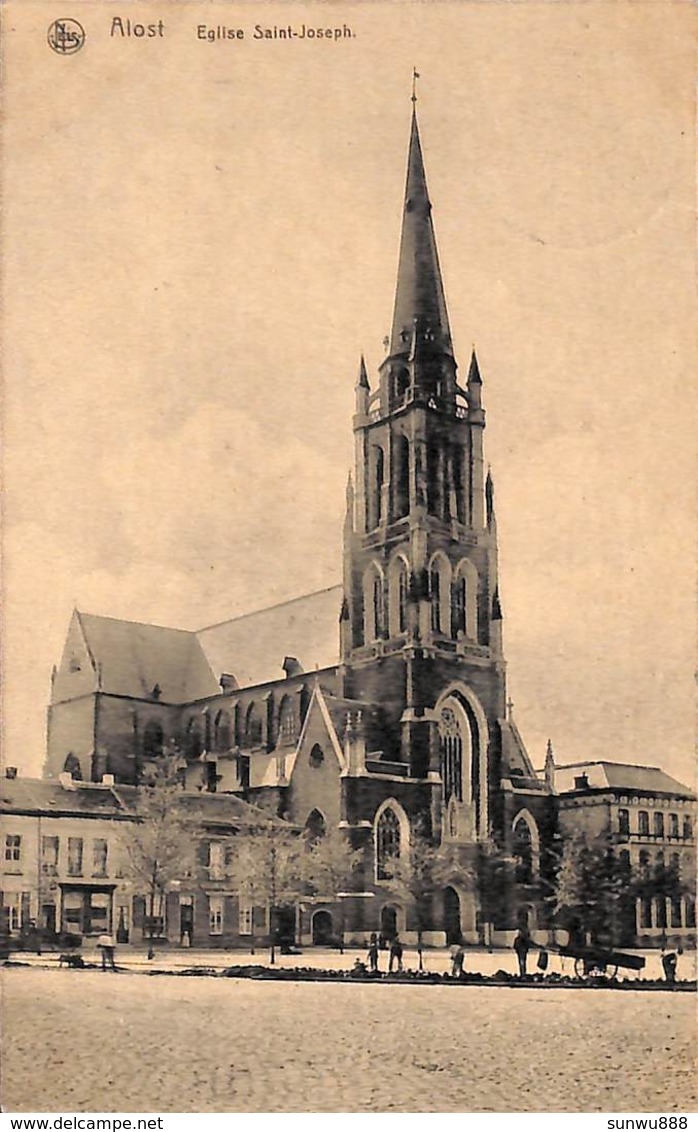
x: 222, y: 732
x: 287, y: 720
x: 452, y: 746
x: 194, y: 742
x: 439, y: 593
x: 464, y: 600
x: 388, y: 843
x: 435, y: 594
x: 402, y: 588
x: 523, y: 852
x: 377, y: 486
x: 153, y: 741
x: 72, y: 767
x: 460, y: 606
x: 402, y: 476
x: 374, y: 614
x: 315, y: 827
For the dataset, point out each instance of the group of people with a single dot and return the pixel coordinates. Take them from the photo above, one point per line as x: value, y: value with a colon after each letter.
x: 395, y: 957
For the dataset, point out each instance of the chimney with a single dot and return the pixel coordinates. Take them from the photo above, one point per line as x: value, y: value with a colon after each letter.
x: 10, y: 772
x: 107, y: 780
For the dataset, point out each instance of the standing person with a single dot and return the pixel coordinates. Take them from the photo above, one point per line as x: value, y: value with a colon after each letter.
x: 108, y: 947
x: 373, y: 954
x: 457, y: 957
x: 669, y: 963
x: 522, y: 946
x: 395, y: 954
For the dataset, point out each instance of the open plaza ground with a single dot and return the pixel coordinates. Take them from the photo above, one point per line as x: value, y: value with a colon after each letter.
x: 87, y: 1041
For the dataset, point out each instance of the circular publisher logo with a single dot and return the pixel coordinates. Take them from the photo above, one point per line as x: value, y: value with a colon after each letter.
x: 65, y: 37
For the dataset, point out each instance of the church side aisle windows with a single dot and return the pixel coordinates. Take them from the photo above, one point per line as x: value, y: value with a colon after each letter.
x: 222, y: 732
x: 439, y: 592
x: 387, y: 843
x: 253, y: 727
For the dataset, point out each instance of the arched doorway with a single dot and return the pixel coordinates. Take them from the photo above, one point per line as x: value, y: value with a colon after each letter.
x: 388, y: 922
x: 452, y: 921
x: 322, y: 929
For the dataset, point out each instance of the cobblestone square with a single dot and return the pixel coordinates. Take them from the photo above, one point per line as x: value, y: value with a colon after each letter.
x: 87, y: 1042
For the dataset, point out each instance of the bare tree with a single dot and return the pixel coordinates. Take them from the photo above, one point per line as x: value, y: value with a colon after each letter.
x: 329, y: 866
x: 266, y: 867
x: 160, y: 844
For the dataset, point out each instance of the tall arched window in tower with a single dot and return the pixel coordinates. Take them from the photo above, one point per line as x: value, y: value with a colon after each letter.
x: 253, y: 727
x: 374, y: 612
x: 465, y: 600
x: 403, y: 586
x: 456, y: 750
x: 377, y: 485
x: 194, y: 740
x: 222, y: 732
x: 451, y: 735
x: 435, y: 493
x: 401, y: 475
x: 315, y: 828
x: 459, y: 482
x: 387, y: 843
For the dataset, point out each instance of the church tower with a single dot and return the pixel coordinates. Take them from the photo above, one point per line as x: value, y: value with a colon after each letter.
x: 421, y: 621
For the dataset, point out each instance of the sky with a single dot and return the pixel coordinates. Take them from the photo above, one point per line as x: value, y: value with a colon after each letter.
x: 200, y: 240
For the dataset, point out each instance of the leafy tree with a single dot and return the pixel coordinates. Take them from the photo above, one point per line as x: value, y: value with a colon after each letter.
x: 592, y: 889
x: 159, y: 845
x: 329, y: 865
x: 266, y: 868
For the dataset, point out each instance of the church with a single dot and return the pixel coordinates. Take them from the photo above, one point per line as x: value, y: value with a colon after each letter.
x: 377, y: 706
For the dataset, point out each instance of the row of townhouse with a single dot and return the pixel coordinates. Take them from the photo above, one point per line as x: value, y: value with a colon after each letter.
x: 65, y: 866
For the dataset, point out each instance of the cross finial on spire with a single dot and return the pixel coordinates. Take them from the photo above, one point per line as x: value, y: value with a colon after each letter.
x: 510, y: 708
x: 415, y: 76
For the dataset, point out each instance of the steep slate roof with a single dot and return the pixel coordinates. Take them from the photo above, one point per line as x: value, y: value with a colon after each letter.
x: 34, y: 795
x: 620, y: 776
x: 252, y: 647
x: 133, y: 657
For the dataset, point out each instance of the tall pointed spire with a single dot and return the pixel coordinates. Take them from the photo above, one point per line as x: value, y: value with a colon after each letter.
x: 419, y: 297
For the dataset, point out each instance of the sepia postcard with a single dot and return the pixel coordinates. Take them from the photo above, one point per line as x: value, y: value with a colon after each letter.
x: 349, y: 364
